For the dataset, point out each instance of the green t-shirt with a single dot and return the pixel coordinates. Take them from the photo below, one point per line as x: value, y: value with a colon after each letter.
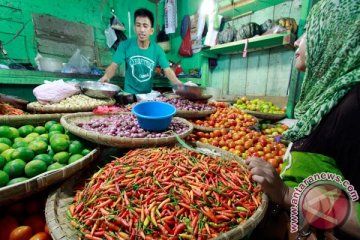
x: 140, y: 64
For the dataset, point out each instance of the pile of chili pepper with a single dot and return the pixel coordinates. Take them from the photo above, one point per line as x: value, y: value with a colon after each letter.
x: 8, y: 109
x: 165, y: 193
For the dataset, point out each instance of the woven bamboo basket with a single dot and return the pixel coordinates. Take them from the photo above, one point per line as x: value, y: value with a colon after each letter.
x: 206, y: 129
x: 194, y: 114
x: 268, y: 116
x: 40, y: 182
x: 70, y: 122
x: 34, y: 119
x: 33, y: 107
x: 58, y: 201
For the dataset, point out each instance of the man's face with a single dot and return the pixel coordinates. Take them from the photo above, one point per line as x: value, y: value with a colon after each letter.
x: 143, y: 28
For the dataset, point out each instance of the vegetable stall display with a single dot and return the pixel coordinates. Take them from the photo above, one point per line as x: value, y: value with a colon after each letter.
x: 165, y: 193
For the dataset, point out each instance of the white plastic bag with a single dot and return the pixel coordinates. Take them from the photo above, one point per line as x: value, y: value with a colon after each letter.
x: 110, y: 36
x: 78, y: 63
x: 148, y: 96
x: 53, y: 92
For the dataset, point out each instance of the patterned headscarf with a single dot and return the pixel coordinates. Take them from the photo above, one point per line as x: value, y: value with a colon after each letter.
x: 332, y: 62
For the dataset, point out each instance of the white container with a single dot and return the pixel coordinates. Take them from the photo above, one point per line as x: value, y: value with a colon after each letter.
x: 48, y: 64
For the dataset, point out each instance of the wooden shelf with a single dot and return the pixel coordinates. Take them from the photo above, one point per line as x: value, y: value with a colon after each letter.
x: 254, y: 44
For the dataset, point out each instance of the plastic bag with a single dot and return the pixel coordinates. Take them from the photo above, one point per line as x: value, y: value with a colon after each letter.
x: 275, y: 29
x: 185, y: 49
x: 148, y: 96
x: 53, y: 92
x: 110, y: 36
x: 78, y: 63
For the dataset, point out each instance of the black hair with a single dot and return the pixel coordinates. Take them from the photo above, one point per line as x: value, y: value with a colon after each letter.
x: 143, y: 12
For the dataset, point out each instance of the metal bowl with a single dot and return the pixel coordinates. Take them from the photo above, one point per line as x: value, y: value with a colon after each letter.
x: 189, y: 92
x: 99, y: 90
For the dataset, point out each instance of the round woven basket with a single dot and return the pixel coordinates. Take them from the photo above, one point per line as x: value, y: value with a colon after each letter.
x: 194, y: 114
x: 34, y: 119
x: 266, y: 115
x: 206, y: 129
x: 44, y: 108
x: 70, y: 122
x: 58, y: 201
x: 40, y: 182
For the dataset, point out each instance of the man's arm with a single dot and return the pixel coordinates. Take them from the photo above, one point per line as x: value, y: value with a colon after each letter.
x: 169, y: 73
x: 109, y: 72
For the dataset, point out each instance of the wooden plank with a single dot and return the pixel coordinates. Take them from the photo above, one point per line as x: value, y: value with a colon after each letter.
x: 252, y: 6
x: 282, y: 10
x: 237, y: 81
x: 257, y: 73
x: 218, y: 73
x: 11, y: 4
x: 62, y: 49
x: 11, y: 14
x: 279, y: 71
x: 8, y: 26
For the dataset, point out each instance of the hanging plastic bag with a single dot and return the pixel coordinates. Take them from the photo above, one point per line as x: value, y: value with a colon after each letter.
x: 185, y: 49
x: 170, y: 16
x: 110, y: 36
x: 78, y: 63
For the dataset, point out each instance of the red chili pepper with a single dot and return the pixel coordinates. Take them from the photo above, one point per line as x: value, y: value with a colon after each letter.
x: 179, y: 228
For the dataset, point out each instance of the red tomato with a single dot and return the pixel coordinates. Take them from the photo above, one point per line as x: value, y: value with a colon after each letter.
x: 273, y: 162
x: 21, y: 233
x: 8, y: 224
x: 40, y: 236
x: 36, y: 222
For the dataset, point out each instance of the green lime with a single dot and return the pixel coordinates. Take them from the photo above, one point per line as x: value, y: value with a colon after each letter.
x: 2, y: 162
x: 23, y: 153
x: 4, y: 178
x: 48, y: 124
x: 15, y: 168
x: 6, y: 132
x: 19, y: 139
x: 75, y: 147
x: 15, y: 132
x: 59, y: 144
x: 62, y: 157
x: 32, y: 135
x: 7, y: 141
x: 40, y: 138
x: 35, y: 167
x: 7, y: 154
x: 57, y: 127
x: 58, y: 135
x: 74, y: 158
x: 45, y: 158
x: 45, y: 135
x: 54, y: 166
x: 20, y: 144
x: 40, y: 130
x: 25, y: 130
x: 16, y: 180
x: 85, y: 152
x: 3, y: 147
x: 38, y: 147
x: 50, y: 151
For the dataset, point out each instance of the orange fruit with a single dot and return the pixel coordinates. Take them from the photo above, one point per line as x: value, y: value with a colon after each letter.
x: 21, y: 233
x: 8, y: 224
x: 36, y: 222
x: 40, y: 236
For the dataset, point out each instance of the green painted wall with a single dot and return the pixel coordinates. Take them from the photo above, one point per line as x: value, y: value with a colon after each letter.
x: 17, y: 14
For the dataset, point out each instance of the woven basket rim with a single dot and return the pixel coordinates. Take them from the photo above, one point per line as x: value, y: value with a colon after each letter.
x: 114, y: 141
x: 194, y: 114
x: 44, y: 180
x: 51, y: 109
x: 269, y: 116
x: 60, y: 198
x: 207, y: 129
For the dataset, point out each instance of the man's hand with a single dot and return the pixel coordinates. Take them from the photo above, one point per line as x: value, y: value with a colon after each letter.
x: 104, y: 79
x: 265, y: 174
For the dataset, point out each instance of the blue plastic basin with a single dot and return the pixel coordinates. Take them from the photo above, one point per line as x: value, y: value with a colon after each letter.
x: 154, y: 116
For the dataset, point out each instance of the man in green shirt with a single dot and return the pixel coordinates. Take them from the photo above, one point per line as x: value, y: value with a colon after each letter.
x: 141, y: 57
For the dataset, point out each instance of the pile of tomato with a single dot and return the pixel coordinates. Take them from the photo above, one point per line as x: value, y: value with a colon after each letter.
x: 24, y: 220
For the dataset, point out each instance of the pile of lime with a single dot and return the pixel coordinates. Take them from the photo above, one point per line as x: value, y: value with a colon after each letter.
x: 258, y: 105
x: 28, y: 151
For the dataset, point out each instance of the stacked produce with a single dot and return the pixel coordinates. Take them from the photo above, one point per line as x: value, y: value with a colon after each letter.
x: 273, y: 129
x: 8, y: 109
x: 127, y: 125
x: 185, y: 105
x: 75, y: 101
x: 24, y: 220
x: 165, y: 193
x: 244, y: 143
x: 101, y: 110
x: 258, y: 105
x: 226, y: 117
x: 28, y: 151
